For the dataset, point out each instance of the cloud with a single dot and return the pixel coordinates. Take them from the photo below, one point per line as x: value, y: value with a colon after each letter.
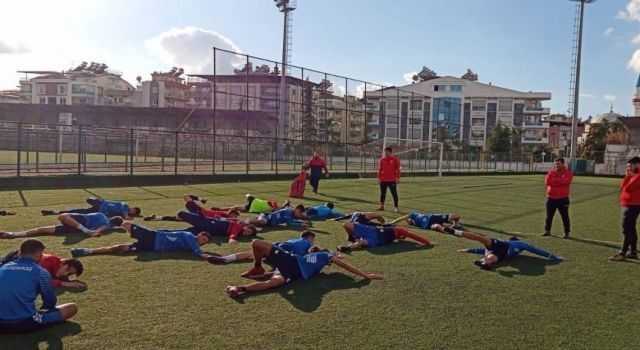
x: 634, y: 62
x: 408, y: 77
x: 636, y: 39
x: 609, y: 98
x: 631, y: 11
x: 6, y: 48
x: 588, y: 95
x: 192, y: 49
x: 370, y: 87
x: 608, y: 31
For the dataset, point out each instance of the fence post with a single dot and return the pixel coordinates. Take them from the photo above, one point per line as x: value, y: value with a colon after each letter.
x: 162, y: 155
x: 131, y: 145
x: 194, y: 153
x: 223, y: 154
x: 19, y: 148
x: 37, y: 151
x: 79, y: 149
x: 346, y: 158
x: 146, y: 140
x: 105, y: 147
x: 175, y: 161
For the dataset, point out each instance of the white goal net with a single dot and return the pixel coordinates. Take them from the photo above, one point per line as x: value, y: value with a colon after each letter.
x: 416, y: 156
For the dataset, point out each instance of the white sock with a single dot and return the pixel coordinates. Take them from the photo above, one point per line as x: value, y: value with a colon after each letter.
x: 229, y: 258
x: 19, y: 234
x: 457, y: 233
x: 83, y: 229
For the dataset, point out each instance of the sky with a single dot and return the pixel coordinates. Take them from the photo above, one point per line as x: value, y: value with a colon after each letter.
x: 518, y: 44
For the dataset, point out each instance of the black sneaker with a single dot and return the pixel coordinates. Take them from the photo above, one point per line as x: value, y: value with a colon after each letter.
x: 216, y: 260
x: 618, y: 257
x: 546, y: 234
x: 344, y: 249
x: 632, y: 255
x: 566, y: 235
x: 47, y: 212
x: 482, y: 265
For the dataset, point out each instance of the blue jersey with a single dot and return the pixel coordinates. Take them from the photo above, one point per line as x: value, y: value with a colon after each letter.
x: 298, y: 246
x: 322, y: 212
x: 94, y: 221
x: 282, y: 216
x: 312, y: 264
x: 20, y: 283
x: 514, y: 248
x: 425, y: 221
x: 177, y: 240
x: 113, y: 208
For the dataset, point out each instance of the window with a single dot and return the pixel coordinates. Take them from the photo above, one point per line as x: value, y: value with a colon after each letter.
x: 62, y: 101
x: 41, y: 89
x: 477, y: 121
x: 51, y: 100
x: 392, y: 104
x: 43, y: 100
x: 236, y: 90
x: 416, y: 105
x: 455, y: 88
x: 83, y: 89
x: 564, y: 134
x: 505, y: 106
x: 154, y: 90
x: 478, y: 105
x: 62, y: 89
x: 440, y: 88
x: 154, y: 102
x: 505, y: 120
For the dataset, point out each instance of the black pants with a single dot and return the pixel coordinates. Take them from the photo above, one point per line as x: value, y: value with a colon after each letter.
x: 315, y: 182
x: 562, y: 205
x: 92, y: 201
x: 383, y: 192
x: 629, y: 218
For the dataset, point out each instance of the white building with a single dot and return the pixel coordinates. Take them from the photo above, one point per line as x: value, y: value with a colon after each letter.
x: 461, y: 108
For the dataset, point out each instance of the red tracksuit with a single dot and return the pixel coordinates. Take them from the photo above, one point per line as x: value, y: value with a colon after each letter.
x: 558, y: 183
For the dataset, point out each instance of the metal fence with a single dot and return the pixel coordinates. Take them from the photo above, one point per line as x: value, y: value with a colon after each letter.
x: 28, y: 149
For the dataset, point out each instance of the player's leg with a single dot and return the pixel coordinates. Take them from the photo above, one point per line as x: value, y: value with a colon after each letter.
x: 223, y: 260
x: 67, y: 310
x: 470, y: 235
x: 195, y: 220
x: 313, y: 181
x: 47, y: 230
x: 383, y: 194
x: 416, y: 237
x: 113, y: 250
x: 360, y: 243
x: 73, y: 222
x: 563, y: 209
x: 193, y: 207
x: 274, y: 282
x: 394, y: 193
x: 260, y: 249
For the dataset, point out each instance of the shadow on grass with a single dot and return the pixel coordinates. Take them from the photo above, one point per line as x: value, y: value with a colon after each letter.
x: 490, y: 229
x: 397, y: 247
x: 595, y: 242
x: 75, y: 238
x: 52, y: 336
x: 62, y: 290
x: 525, y: 265
x: 307, y: 296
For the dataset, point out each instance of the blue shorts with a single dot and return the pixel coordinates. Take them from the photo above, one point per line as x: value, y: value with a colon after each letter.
x: 285, y: 263
x: 367, y: 232
x: 499, y: 248
x: 146, y: 239
x: 271, y: 221
x: 64, y: 229
x: 41, y: 319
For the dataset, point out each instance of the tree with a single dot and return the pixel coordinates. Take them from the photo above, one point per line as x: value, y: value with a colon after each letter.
x: 309, y: 129
x: 500, y: 139
x: 601, y: 134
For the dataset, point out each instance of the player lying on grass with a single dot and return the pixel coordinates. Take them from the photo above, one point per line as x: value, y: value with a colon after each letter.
x: 322, y: 212
x: 217, y: 227
x: 362, y: 236
x: 288, y: 216
x: 288, y: 267
x: 60, y: 269
x: 106, y: 207
x: 153, y: 241
x: 192, y: 205
x: 253, y: 205
x: 298, y: 246
x: 94, y: 224
x: 364, y: 218
x: 426, y: 220
x: 7, y: 212
x: 495, y: 250
x: 21, y: 281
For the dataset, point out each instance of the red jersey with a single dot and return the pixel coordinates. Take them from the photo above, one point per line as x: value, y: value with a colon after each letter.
x: 210, y: 214
x: 317, y: 165
x: 630, y: 190
x: 51, y: 263
x: 235, y: 228
x: 558, y: 183
x: 389, y: 169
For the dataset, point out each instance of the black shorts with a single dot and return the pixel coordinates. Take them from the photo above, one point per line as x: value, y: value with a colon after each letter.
x: 247, y: 206
x: 146, y: 239
x: 40, y: 320
x: 386, y: 235
x: 285, y: 263
x: 499, y: 248
x: 64, y: 229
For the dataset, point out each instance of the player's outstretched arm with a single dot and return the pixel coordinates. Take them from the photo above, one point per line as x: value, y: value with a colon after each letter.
x: 345, y: 265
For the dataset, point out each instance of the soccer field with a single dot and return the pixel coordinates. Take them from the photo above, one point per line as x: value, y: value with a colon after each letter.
x: 429, y: 297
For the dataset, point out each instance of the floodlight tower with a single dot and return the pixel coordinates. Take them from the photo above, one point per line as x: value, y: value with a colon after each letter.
x: 284, y: 6
x: 575, y: 77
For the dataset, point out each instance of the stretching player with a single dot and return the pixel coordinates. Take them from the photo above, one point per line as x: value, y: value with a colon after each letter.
x: 254, y: 205
x: 153, y: 241
x: 362, y: 236
x: 285, y: 216
x: 495, y: 249
x: 426, y: 220
x: 322, y: 212
x: 299, y: 246
x: 364, y: 218
x: 7, y: 212
x: 217, y: 227
x: 60, y: 269
x: 94, y: 225
x: 288, y: 267
x: 106, y: 207
x: 192, y: 205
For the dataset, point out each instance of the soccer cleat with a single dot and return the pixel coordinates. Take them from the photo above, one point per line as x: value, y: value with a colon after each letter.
x: 7, y: 212
x: 632, y: 255
x: 546, y: 233
x: 482, y: 265
x: 47, y: 212
x: 216, y: 260
x: 344, y: 249
x: 566, y: 235
x: 151, y: 217
x: 233, y: 292
x: 286, y: 203
x: 5, y: 234
x: 255, y: 272
x: 79, y: 252
x: 618, y: 257
x: 396, y: 210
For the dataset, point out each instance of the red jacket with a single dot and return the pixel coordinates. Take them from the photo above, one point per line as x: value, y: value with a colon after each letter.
x: 210, y: 214
x: 630, y: 190
x: 51, y: 263
x: 389, y: 169
x: 558, y: 183
x: 317, y: 164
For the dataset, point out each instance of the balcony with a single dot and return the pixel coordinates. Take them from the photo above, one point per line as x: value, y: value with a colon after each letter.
x: 372, y: 107
x: 537, y: 110
x: 535, y: 140
x: 535, y: 125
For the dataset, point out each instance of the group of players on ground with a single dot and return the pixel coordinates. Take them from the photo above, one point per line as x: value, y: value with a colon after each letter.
x: 29, y: 271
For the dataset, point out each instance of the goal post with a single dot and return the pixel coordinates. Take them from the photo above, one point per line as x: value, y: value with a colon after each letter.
x: 415, y: 155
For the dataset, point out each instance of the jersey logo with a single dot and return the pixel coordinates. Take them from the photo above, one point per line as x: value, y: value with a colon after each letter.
x: 172, y: 239
x: 312, y: 259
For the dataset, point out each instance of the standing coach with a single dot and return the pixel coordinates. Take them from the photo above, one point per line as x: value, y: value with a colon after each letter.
x: 389, y: 177
x: 558, y: 181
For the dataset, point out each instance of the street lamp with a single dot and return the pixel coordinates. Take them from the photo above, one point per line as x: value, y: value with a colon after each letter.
x: 576, y: 90
x: 284, y: 6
